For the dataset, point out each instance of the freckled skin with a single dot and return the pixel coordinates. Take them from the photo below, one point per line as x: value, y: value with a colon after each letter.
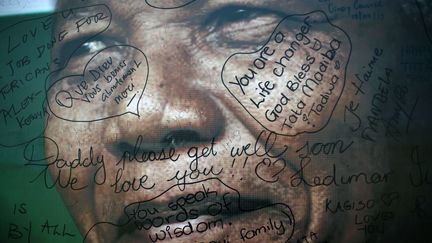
x: 184, y: 93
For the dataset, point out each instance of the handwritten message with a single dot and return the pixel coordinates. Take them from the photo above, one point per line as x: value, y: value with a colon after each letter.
x: 300, y: 68
x: 217, y: 122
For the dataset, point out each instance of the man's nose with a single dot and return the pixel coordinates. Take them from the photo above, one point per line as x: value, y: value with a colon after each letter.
x: 173, y: 110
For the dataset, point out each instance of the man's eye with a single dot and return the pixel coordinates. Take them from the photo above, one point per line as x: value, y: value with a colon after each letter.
x: 85, y: 46
x: 241, y: 27
x: 95, y: 45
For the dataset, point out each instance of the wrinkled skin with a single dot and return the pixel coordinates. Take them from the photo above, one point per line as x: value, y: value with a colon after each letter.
x: 185, y: 104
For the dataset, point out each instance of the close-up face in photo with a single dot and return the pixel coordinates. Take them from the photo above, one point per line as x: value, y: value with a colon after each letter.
x: 241, y: 121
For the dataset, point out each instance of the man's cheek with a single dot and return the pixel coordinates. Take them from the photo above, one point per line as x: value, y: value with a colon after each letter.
x: 71, y: 156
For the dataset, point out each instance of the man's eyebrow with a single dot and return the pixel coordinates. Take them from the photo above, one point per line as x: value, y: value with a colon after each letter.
x: 80, y: 10
x: 228, y: 9
x: 77, y: 3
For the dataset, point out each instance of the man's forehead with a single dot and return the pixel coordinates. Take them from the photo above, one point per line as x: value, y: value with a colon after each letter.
x: 129, y: 7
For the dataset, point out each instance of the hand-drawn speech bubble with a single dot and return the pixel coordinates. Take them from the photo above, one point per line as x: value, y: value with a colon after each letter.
x: 292, y: 84
x: 168, y: 4
x: 27, y: 61
x: 105, y: 89
x: 210, y: 208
